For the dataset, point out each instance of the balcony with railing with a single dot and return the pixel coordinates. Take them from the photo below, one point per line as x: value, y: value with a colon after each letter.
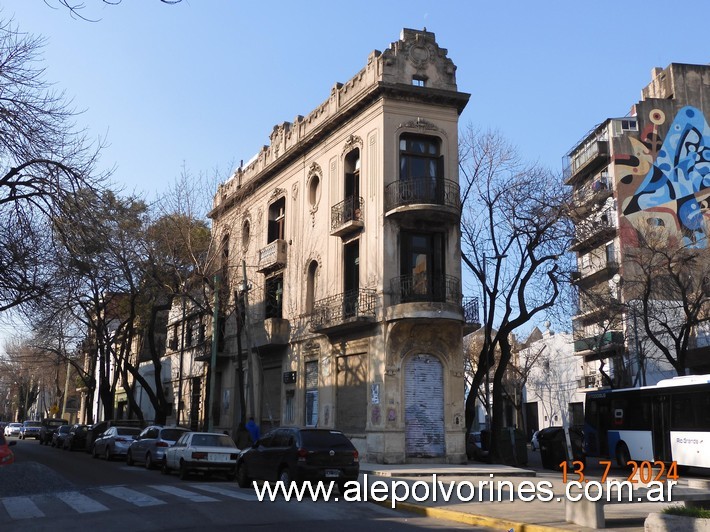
x: 590, y: 381
x: 344, y: 312
x: 585, y: 159
x: 600, y: 343
x: 586, y: 197
x: 471, y: 321
x: 273, y: 256
x: 272, y: 332
x: 593, y: 230
x: 347, y: 217
x: 421, y: 196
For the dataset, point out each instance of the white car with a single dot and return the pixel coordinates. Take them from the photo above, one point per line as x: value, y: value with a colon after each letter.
x: 204, y: 452
x: 13, y: 429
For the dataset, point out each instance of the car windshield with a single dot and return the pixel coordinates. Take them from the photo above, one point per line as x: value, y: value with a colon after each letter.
x: 315, y: 438
x: 124, y: 431
x: 171, y: 434
x: 212, y: 440
x: 33, y: 424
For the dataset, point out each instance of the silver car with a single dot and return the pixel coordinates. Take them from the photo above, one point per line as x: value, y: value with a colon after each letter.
x: 13, y: 429
x: 150, y: 445
x: 114, y: 442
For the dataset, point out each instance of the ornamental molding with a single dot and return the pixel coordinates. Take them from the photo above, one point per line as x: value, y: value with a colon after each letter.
x: 352, y: 142
x: 422, y: 125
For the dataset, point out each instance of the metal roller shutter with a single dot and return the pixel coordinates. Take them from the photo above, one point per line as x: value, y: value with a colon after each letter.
x: 424, y: 407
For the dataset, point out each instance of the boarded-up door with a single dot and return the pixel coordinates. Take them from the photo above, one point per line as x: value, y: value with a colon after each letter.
x: 424, y: 407
x: 351, y: 412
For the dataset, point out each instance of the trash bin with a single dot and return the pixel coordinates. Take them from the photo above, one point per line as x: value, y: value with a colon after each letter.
x: 553, y: 446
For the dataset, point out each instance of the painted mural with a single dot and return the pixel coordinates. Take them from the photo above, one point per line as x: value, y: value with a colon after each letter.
x: 667, y: 181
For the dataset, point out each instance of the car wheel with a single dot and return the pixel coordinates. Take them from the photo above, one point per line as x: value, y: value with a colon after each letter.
x: 148, y: 461
x: 129, y: 458
x: 184, y: 473
x: 107, y: 454
x: 242, y: 477
x: 285, y: 476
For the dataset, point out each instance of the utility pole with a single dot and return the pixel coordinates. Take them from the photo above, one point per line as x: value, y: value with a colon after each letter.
x: 182, y: 357
x: 250, y: 364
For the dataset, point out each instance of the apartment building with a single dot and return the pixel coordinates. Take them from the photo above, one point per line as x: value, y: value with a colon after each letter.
x: 644, y: 172
x: 341, y: 239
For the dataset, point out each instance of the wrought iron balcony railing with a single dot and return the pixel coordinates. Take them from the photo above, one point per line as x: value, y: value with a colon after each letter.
x: 423, y: 190
x: 423, y: 287
x: 273, y: 255
x: 350, y: 306
x: 349, y: 210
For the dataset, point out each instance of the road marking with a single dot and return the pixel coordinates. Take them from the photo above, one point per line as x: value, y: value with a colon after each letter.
x: 132, y: 496
x: 81, y: 503
x: 21, y: 508
x: 179, y: 492
x: 225, y: 491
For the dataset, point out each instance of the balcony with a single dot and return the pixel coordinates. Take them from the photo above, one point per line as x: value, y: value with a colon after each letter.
x: 344, y: 312
x: 593, y: 231
x: 590, y: 381
x: 346, y: 217
x: 272, y: 332
x: 273, y: 256
x: 601, y: 343
x: 593, y: 275
x: 471, y: 321
x: 424, y: 198
x: 589, y: 157
x: 586, y: 197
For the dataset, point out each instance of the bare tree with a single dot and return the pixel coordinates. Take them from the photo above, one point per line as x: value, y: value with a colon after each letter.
x: 667, y: 292
x: 76, y: 9
x: 513, y: 235
x: 43, y: 161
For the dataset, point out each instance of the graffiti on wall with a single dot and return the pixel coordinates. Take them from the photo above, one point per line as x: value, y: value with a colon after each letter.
x: 675, y: 189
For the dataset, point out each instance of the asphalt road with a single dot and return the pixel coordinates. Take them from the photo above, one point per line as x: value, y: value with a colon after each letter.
x: 51, y: 489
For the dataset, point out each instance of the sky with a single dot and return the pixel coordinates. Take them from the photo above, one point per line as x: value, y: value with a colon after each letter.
x: 201, y: 84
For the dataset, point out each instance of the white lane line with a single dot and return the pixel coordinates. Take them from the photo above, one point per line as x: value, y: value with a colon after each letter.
x: 225, y: 491
x: 21, y: 508
x: 81, y: 503
x: 134, y: 497
x: 184, y: 494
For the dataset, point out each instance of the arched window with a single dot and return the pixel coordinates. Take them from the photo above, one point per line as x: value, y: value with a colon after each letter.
x: 311, y: 286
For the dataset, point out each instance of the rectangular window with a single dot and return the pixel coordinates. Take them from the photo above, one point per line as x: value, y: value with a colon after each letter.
x: 273, y: 301
x: 422, y: 267
x: 290, y: 407
x: 418, y: 81
x: 311, y: 419
x: 277, y: 220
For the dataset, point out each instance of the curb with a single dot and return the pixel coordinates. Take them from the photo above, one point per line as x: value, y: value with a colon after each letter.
x: 468, y: 519
x: 415, y: 474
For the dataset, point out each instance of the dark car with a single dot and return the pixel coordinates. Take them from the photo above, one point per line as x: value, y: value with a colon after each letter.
x: 296, y: 455
x: 553, y: 446
x: 76, y: 439
x: 49, y: 426
x: 59, y: 435
x: 150, y: 445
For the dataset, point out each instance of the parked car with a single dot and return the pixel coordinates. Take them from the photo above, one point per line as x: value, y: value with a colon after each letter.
x: 204, y: 452
x: 150, y: 445
x: 553, y: 446
x: 76, y: 439
x: 99, y: 428
x: 30, y: 429
x: 13, y: 429
x: 114, y: 442
x: 534, y: 441
x: 295, y: 455
x: 6, y: 455
x: 59, y: 435
x: 49, y: 426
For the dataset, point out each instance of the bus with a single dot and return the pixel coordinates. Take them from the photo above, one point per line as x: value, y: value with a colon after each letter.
x: 667, y: 422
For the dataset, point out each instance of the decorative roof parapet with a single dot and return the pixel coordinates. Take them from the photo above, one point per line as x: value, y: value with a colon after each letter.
x: 415, y: 56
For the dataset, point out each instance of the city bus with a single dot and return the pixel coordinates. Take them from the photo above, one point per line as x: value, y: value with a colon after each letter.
x: 667, y: 422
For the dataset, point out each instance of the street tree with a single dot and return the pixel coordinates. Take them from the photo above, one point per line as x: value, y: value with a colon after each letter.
x: 514, y: 235
x: 44, y: 160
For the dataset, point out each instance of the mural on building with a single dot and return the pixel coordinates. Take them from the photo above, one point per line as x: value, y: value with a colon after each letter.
x: 675, y: 189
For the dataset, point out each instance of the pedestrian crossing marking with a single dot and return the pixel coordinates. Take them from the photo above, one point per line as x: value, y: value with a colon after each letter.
x: 80, y: 502
x: 225, y: 491
x: 132, y: 496
x: 21, y: 508
x: 184, y: 494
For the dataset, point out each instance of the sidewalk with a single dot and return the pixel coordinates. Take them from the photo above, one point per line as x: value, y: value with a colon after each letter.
x: 518, y: 515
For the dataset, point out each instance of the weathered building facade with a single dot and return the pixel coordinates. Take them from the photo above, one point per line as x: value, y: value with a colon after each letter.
x: 341, y: 239
x: 641, y: 180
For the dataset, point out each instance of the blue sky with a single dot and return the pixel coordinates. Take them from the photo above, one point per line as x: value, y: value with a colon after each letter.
x: 202, y: 83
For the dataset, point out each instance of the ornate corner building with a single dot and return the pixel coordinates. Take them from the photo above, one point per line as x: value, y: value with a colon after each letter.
x: 342, y: 238
x: 645, y: 175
